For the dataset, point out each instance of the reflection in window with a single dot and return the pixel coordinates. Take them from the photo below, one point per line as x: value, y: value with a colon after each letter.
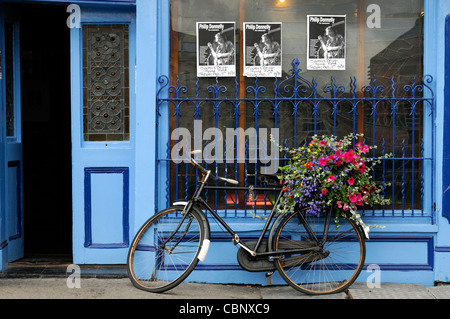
x: 105, y: 83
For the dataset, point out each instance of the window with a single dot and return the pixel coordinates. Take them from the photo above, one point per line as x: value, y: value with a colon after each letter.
x: 106, y: 110
x: 383, y: 49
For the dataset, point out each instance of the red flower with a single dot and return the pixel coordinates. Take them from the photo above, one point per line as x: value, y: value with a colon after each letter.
x: 362, y: 167
x: 359, y: 199
x: 351, y: 181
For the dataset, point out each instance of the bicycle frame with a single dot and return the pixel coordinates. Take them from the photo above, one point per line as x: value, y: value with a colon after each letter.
x: 198, y: 200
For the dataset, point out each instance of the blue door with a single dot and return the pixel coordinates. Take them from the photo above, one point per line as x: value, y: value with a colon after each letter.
x: 12, y: 239
x: 102, y: 86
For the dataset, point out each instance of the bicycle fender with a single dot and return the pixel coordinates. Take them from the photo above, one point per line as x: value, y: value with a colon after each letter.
x: 180, y: 203
x: 206, y: 241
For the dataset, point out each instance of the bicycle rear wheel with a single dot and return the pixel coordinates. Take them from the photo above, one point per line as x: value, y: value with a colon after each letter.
x: 165, y: 250
x: 332, y: 267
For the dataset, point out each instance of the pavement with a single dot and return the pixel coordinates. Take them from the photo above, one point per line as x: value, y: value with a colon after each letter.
x: 22, y: 281
x: 107, y: 291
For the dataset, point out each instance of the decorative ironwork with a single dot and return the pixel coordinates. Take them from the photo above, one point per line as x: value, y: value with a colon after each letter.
x: 105, y: 78
x: 392, y: 120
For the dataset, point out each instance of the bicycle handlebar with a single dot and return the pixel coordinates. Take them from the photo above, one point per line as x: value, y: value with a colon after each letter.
x: 194, y: 162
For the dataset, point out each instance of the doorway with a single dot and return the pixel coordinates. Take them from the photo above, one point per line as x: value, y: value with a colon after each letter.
x: 46, y: 131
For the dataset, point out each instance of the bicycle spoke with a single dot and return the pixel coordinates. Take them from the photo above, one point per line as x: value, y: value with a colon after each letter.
x: 331, y: 269
x: 165, y: 250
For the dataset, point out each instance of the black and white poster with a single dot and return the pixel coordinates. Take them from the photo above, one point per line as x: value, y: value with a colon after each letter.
x: 216, y: 52
x: 262, y: 49
x: 326, y: 42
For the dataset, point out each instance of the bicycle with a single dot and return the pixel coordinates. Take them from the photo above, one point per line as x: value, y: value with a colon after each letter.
x: 309, y: 254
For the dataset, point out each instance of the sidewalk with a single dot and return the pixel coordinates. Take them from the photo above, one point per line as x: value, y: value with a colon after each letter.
x: 121, y: 288
x: 103, y: 282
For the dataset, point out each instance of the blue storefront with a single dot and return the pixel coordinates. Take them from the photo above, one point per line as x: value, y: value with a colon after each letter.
x: 95, y: 96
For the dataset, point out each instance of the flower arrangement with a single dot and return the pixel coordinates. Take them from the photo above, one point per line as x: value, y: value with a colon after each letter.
x: 327, y: 172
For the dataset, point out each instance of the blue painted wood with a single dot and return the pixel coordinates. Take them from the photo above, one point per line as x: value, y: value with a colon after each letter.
x: 220, y: 265
x: 13, y: 156
x: 88, y: 2
x: 437, y: 46
x: 446, y: 136
x: 147, y: 55
x: 14, y: 190
x: 113, y: 204
x: 3, y: 241
x: 87, y: 247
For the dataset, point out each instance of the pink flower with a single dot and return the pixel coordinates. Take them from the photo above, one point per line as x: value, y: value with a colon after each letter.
x: 351, y: 181
x: 330, y: 178
x: 345, y: 206
x: 352, y: 198
x: 339, y: 203
x: 349, y: 156
x: 323, y: 161
x: 364, y: 149
x: 323, y: 143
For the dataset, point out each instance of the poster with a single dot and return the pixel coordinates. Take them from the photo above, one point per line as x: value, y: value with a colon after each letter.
x: 262, y: 49
x: 326, y: 42
x: 216, y: 52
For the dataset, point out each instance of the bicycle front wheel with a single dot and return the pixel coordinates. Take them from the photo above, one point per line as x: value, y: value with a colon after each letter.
x: 329, y: 266
x: 165, y: 250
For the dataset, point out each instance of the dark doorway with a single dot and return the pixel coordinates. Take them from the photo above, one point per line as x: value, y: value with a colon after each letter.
x: 46, y: 131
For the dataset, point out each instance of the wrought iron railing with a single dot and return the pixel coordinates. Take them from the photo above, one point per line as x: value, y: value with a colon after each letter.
x: 394, y: 116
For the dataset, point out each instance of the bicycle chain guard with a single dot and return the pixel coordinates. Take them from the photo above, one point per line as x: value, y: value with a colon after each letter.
x: 253, y: 264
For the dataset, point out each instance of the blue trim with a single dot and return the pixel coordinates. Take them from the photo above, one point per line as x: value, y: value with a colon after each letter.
x: 18, y: 233
x: 88, y: 2
x: 446, y: 137
x: 428, y: 266
x: 88, y: 171
x: 3, y: 244
x: 442, y: 249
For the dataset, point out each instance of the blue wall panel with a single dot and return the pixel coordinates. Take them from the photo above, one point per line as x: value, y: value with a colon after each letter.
x: 14, y: 201
x: 106, y: 207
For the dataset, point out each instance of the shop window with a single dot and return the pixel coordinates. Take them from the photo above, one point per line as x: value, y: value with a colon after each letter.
x: 383, y: 47
x: 106, y: 110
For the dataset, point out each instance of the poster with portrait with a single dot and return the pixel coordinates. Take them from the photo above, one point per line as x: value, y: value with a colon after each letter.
x: 262, y: 49
x: 216, y: 51
x: 326, y: 42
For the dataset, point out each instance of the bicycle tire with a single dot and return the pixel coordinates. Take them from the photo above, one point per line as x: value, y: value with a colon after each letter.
x: 156, y: 268
x: 331, y: 270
